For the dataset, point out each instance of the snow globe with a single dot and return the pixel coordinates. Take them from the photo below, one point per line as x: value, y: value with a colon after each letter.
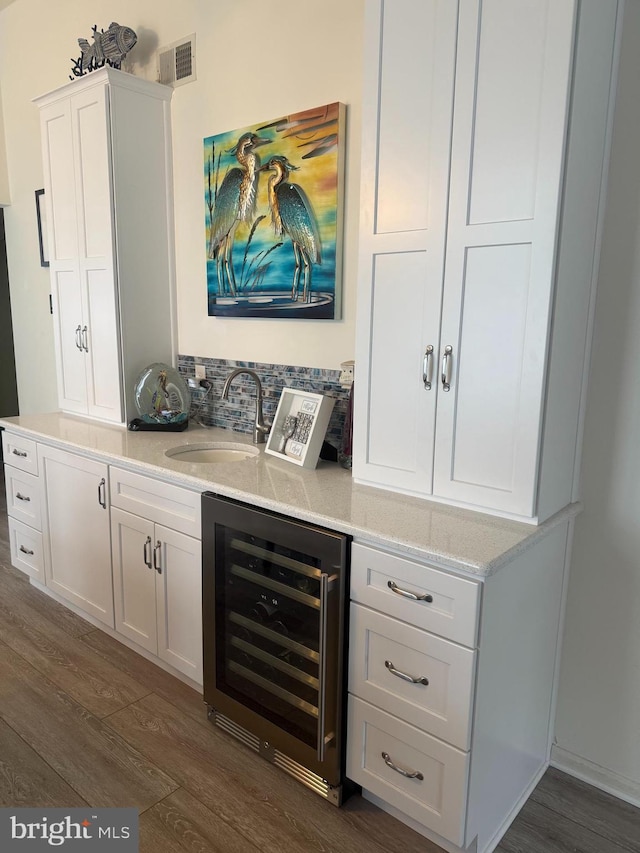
x: 162, y: 399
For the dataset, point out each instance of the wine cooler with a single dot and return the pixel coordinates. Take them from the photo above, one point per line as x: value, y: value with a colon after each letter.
x: 274, y: 638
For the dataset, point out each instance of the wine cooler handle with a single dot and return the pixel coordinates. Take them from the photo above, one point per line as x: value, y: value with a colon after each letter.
x: 322, y: 664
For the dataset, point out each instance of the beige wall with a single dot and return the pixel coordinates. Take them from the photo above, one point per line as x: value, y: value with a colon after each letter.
x: 255, y: 61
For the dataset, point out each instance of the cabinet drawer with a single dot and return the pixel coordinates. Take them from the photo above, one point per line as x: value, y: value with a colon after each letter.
x: 26, y: 549
x: 382, y: 650
x: 438, y: 799
x: 23, y: 497
x: 20, y: 452
x: 164, y: 503
x: 451, y: 605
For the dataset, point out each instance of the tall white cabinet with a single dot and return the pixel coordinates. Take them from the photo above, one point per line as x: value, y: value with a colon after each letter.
x: 484, y: 152
x: 108, y: 192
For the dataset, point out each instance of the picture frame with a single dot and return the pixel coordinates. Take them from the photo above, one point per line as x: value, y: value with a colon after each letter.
x: 299, y: 427
x: 41, y: 217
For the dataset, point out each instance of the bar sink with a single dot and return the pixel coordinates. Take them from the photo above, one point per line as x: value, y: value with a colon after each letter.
x: 212, y: 451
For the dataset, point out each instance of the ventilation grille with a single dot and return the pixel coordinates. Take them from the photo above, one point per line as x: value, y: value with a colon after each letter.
x: 177, y: 62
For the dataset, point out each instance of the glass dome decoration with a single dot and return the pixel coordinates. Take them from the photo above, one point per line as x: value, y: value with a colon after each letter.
x: 162, y: 399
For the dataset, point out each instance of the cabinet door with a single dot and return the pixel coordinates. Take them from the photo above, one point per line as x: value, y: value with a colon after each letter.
x: 76, y: 527
x: 66, y: 293
x: 411, y: 49
x: 178, y: 561
x: 511, y: 97
x: 134, y: 579
x: 93, y: 192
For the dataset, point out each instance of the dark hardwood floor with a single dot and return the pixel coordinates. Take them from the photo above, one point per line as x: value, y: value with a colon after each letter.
x: 86, y: 721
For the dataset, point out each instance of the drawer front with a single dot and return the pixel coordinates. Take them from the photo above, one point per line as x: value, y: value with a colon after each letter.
x: 438, y: 799
x: 26, y: 549
x: 450, y: 605
x: 20, y: 452
x: 384, y: 653
x: 164, y: 503
x: 23, y: 497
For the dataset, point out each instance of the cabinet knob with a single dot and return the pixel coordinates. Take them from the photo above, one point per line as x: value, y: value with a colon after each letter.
x: 409, y: 774
x: 22, y: 497
x: 102, y: 493
x: 414, y: 596
x: 427, y: 367
x: 79, y: 337
x: 146, y: 553
x: 447, y: 359
x: 419, y: 679
x: 156, y: 557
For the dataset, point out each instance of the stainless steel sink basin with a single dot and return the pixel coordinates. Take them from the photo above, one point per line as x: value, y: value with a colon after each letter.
x: 212, y: 451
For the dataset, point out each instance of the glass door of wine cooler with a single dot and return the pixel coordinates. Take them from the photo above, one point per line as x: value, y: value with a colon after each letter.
x: 273, y: 606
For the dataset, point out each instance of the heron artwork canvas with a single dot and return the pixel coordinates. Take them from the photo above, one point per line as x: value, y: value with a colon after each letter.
x: 273, y: 210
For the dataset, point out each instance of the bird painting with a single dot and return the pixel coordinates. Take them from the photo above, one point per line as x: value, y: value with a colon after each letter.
x: 235, y: 202
x: 273, y: 195
x: 292, y: 214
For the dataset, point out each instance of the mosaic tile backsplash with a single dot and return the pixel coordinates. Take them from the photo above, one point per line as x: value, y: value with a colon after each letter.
x: 238, y: 412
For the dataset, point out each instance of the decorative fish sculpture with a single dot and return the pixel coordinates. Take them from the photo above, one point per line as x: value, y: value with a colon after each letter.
x: 109, y: 46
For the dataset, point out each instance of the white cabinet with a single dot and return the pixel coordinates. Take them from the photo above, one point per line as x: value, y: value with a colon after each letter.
x: 479, y: 214
x: 157, y: 573
x: 24, y: 505
x: 76, y: 530
x: 106, y: 149
x: 451, y: 684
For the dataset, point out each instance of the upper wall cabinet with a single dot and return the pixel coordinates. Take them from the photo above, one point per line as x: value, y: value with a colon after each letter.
x: 108, y: 190
x: 485, y: 133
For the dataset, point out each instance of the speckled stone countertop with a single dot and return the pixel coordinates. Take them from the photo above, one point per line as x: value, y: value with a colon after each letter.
x: 470, y: 542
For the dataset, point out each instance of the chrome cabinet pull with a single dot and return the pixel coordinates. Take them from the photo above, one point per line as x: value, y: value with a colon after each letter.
x: 156, y: 557
x: 426, y: 368
x: 446, y: 368
x: 26, y: 551
x: 146, y: 551
x: 79, y: 337
x: 322, y: 663
x: 410, y: 774
x: 22, y: 453
x: 102, y: 493
x: 84, y: 346
x: 22, y: 497
x: 414, y: 596
x: 403, y: 675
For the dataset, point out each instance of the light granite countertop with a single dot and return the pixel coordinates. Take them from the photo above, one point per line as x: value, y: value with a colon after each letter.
x: 473, y: 543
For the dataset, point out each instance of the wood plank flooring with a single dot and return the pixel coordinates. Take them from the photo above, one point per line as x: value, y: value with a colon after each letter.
x: 86, y: 721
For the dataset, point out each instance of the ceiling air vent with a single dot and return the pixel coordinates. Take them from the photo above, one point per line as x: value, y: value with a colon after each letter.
x: 177, y: 62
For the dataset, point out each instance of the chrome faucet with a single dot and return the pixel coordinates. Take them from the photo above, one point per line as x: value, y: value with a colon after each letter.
x: 260, y: 431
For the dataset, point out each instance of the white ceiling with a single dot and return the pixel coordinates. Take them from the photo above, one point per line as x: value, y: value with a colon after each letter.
x: 4, y: 4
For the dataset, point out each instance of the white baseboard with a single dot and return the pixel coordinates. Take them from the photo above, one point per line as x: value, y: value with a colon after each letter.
x: 600, y: 777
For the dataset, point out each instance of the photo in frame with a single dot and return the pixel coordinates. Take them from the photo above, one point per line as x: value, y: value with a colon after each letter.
x: 273, y: 217
x: 41, y: 218
x: 299, y: 427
